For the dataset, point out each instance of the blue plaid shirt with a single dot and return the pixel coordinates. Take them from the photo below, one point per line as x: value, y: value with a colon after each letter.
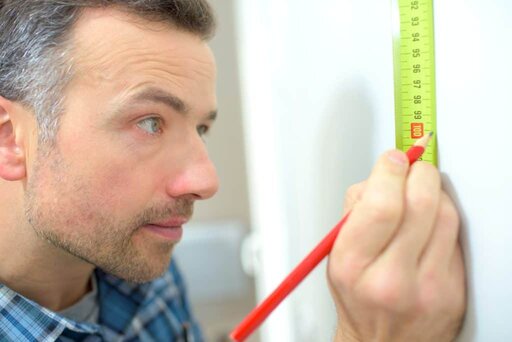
x: 155, y: 311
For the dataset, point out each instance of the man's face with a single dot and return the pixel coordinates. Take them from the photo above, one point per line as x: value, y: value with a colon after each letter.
x: 129, y: 157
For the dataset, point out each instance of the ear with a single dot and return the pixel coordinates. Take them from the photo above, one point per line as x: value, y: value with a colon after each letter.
x: 12, y: 158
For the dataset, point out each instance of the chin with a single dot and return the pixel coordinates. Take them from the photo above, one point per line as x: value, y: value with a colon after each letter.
x: 139, y: 271
x: 137, y: 263
x: 140, y: 276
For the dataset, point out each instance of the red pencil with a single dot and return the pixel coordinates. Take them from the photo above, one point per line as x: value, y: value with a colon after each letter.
x: 253, y: 320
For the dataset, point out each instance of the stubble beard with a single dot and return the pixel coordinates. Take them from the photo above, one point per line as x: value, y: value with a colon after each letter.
x: 61, y: 211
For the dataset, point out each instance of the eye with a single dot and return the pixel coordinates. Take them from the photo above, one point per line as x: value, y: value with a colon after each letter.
x: 202, y: 130
x: 152, y: 125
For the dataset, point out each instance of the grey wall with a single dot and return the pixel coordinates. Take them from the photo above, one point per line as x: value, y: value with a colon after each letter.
x: 226, y: 141
x: 209, y: 251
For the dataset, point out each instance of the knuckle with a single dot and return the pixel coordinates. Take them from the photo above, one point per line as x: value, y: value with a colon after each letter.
x: 392, y: 292
x: 353, y: 193
x: 429, y: 294
x: 448, y: 214
x: 345, y: 271
x: 381, y: 209
x: 422, y: 200
x: 437, y: 295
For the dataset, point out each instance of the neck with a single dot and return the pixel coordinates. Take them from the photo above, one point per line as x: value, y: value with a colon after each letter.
x: 32, y: 266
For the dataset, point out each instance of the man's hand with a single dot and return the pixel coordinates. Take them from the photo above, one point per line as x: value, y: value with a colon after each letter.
x: 396, y: 270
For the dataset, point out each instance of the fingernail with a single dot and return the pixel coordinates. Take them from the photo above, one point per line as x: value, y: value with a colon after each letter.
x: 397, y: 157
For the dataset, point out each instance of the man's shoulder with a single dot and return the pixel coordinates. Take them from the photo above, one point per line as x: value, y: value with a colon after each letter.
x: 157, y: 310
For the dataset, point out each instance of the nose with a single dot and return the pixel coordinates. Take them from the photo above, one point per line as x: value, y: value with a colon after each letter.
x: 195, y: 176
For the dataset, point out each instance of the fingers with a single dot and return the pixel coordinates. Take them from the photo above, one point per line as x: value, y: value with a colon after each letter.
x: 354, y: 194
x: 443, y: 243
x: 399, y: 219
x: 422, y: 194
x: 375, y: 217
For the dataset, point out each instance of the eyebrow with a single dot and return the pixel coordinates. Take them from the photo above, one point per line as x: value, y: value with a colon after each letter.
x: 157, y: 95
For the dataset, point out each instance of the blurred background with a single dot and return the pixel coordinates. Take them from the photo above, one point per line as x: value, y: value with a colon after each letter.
x: 222, y: 293
x: 305, y: 91
x: 294, y: 102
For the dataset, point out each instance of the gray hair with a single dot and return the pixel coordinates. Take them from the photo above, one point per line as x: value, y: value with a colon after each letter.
x: 35, y: 54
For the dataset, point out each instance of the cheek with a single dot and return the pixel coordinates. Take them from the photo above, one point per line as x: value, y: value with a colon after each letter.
x: 108, y: 176
x: 57, y: 199
x: 120, y: 187
x: 78, y: 204
x: 119, y: 177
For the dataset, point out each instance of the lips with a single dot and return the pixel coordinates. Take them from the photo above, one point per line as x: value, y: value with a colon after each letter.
x: 170, y: 229
x: 173, y: 222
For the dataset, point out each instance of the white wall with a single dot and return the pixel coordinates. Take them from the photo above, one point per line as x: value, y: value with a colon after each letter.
x: 316, y: 79
x: 317, y: 82
x: 474, y: 70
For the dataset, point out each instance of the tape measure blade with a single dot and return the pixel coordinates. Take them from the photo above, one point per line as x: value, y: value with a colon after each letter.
x: 395, y: 18
x: 414, y: 73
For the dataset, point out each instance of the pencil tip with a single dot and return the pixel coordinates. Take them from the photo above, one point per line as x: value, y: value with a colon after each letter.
x: 423, y: 141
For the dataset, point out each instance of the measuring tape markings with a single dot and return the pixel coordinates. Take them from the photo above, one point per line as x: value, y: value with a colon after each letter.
x: 414, y: 65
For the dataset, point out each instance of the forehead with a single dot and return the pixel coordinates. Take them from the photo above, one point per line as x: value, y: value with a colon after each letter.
x: 111, y: 46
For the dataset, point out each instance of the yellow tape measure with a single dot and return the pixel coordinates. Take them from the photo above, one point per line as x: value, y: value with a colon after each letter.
x: 414, y: 65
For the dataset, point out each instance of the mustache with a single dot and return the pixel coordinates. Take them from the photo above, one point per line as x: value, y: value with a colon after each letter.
x: 181, y: 207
